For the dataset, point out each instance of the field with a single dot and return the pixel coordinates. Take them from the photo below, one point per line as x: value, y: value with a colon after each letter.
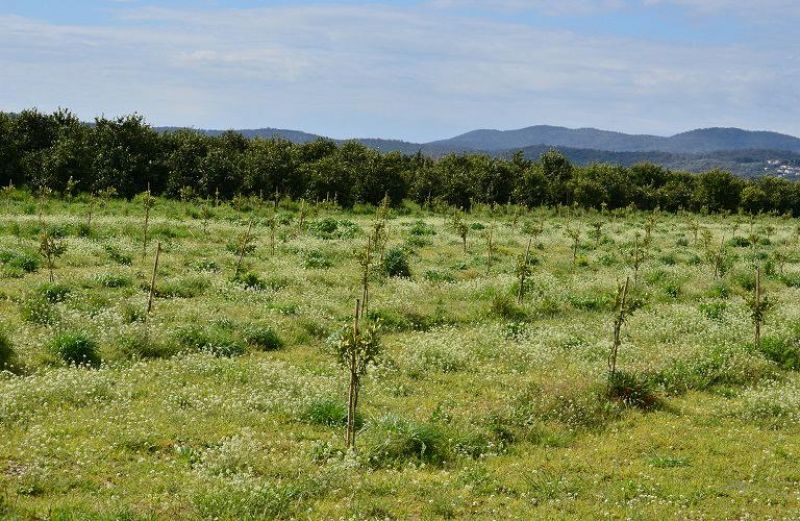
x: 225, y: 401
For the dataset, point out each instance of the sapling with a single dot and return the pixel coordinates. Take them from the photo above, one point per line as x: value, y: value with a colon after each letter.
x: 758, y: 308
x: 205, y: 215
x: 719, y: 259
x: 523, y: 270
x: 637, y: 256
x: 365, y: 260
x: 244, y: 244
x: 380, y: 236
x: 619, y: 321
x: 575, y: 234
x: 148, y: 202
x: 301, y: 219
x: 356, y: 349
x: 648, y: 229
x: 460, y: 227
x: 272, y: 222
x: 598, y: 228
x: 490, y: 245
x: 153, y: 281
x: 51, y: 248
x: 694, y: 226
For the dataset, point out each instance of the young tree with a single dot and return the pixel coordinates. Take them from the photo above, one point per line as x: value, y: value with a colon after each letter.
x: 523, y: 270
x: 355, y: 349
x: 148, y: 202
x: 758, y: 308
x: 619, y: 321
x: 51, y: 249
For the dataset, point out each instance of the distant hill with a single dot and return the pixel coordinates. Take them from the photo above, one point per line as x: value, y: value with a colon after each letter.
x: 744, y: 152
x: 695, y: 141
x: 295, y: 136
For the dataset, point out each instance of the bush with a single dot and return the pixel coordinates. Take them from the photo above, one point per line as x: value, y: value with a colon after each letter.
x: 7, y: 356
x: 263, y: 337
x: 632, y: 390
x: 393, y: 441
x: 75, y: 348
x: 421, y: 228
x: 395, y: 263
x: 53, y: 292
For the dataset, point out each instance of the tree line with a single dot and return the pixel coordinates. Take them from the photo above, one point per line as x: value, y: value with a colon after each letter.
x: 59, y: 152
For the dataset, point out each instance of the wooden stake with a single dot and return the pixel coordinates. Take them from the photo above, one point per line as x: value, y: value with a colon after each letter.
x: 153, y: 280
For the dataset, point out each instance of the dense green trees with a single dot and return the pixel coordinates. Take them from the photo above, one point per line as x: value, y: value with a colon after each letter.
x: 59, y: 152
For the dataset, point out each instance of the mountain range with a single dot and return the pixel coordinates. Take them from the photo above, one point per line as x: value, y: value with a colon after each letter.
x: 744, y: 152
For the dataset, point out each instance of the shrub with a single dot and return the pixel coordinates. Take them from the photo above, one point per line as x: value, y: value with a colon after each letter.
x: 395, y: 263
x: 324, y: 227
x: 7, y: 356
x: 263, y: 337
x: 393, y: 441
x: 75, y: 348
x: 421, y: 228
x: 53, y: 292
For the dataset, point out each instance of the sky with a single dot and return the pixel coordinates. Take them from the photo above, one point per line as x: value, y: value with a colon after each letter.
x: 412, y: 70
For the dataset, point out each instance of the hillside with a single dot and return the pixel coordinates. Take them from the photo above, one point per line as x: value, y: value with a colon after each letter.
x: 743, y: 152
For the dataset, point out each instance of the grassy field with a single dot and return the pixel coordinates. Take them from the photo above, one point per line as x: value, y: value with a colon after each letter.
x: 225, y: 403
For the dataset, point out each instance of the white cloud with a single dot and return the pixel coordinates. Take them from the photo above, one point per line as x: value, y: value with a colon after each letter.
x: 374, y: 69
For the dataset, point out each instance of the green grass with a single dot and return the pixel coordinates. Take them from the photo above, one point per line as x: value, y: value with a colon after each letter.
x: 223, y: 403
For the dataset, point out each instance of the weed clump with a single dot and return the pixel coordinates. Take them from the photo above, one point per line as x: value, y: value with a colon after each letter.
x: 262, y: 337
x: 215, y: 340
x: 75, y: 348
x: 329, y: 413
x: 37, y: 309
x: 393, y: 442
x: 632, y: 390
x: 7, y: 355
x: 54, y: 292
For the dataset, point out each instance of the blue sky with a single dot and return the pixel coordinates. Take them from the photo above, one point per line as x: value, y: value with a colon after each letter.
x: 414, y: 70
